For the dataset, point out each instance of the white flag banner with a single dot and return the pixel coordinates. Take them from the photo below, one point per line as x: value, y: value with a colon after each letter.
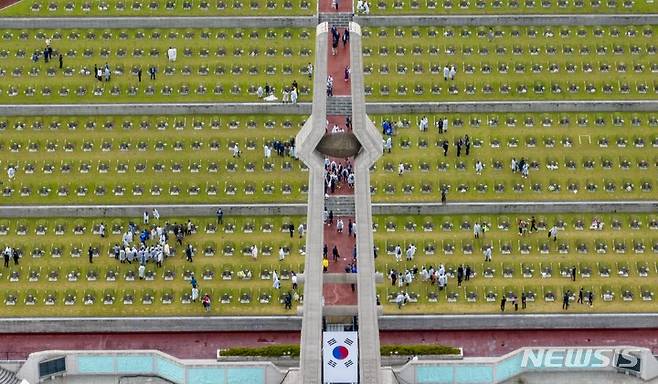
x: 340, y: 355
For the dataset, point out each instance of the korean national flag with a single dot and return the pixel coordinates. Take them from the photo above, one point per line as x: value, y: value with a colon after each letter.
x: 340, y: 355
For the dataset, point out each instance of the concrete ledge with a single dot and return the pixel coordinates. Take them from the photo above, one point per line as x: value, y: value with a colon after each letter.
x: 490, y: 20
x: 513, y: 106
x: 150, y: 324
x: 519, y: 322
x: 160, y: 22
x: 294, y: 323
x: 155, y: 109
x: 305, y: 108
x: 196, y: 210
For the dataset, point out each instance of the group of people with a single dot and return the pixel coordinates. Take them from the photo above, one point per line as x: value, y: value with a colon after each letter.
x: 460, y: 142
x: 335, y: 173
x: 102, y: 72
x: 289, y: 94
x: 520, y: 166
x: 363, y: 6
x: 337, y: 37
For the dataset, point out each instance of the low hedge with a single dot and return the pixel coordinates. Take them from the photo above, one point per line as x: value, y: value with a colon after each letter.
x: 293, y: 350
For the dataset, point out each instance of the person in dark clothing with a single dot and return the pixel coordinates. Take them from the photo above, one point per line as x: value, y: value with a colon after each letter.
x: 334, y: 253
x: 573, y: 273
x: 580, y: 296
x: 467, y: 273
x: 152, y: 72
x: 287, y: 300
x: 325, y: 250
x: 590, y: 298
x: 61, y: 61
x: 459, y: 147
x: 445, y: 148
x: 91, y: 255
x: 394, y: 278
x: 346, y: 37
x: 374, y: 251
x: 460, y: 275
x: 220, y: 216
x: 502, y: 304
x: 349, y: 227
x: 331, y: 217
x: 139, y: 74
x: 16, y: 255
x: 440, y: 125
x: 523, y: 300
x: 291, y: 229
x: 533, y: 224
x: 45, y: 55
x: 189, y: 251
x: 565, y: 300
x: 6, y: 256
x: 443, y: 196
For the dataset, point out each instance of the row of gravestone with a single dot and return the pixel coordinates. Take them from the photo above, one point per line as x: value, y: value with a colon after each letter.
x: 498, y: 32
x: 138, y: 34
x: 168, y: 5
x: 516, y: 89
x: 235, y: 90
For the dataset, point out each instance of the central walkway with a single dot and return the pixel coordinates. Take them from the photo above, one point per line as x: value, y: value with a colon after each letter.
x: 338, y: 60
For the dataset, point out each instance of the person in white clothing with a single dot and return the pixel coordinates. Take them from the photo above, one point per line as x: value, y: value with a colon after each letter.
x: 301, y: 230
x: 446, y: 72
x: 487, y: 254
x: 11, y: 172
x: 282, y: 254
x: 141, y: 271
x: 452, y: 72
x: 267, y: 151
x: 195, y: 294
x: 293, y: 96
x: 254, y: 252
x: 479, y: 167
x: 156, y: 214
x: 553, y: 233
x: 400, y: 169
x: 146, y: 217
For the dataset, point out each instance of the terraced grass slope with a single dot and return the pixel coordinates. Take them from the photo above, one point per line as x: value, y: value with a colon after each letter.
x: 129, y: 159
x: 616, y: 262
x: 510, y: 63
x: 55, y: 278
x: 515, y: 7
x: 211, y: 65
x: 118, y: 8
x: 189, y: 159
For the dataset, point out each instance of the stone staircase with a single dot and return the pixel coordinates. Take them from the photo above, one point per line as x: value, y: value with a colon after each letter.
x: 342, y: 205
x: 8, y: 377
x: 339, y: 105
x: 341, y: 19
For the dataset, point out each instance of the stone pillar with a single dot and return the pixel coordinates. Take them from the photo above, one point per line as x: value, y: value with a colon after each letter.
x: 371, y: 141
x: 306, y: 142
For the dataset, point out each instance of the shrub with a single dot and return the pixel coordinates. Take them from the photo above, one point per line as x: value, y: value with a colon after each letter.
x: 293, y: 350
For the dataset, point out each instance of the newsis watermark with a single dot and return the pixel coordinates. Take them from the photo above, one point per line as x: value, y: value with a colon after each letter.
x: 625, y: 358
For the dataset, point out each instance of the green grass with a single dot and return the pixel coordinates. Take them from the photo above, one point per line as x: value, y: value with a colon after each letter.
x: 499, y: 137
x: 250, y: 132
x: 66, y: 264
x: 513, y: 7
x: 113, y: 8
x: 41, y: 237
x: 458, y: 239
x: 502, y: 136
x: 213, y: 69
x: 549, y: 63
